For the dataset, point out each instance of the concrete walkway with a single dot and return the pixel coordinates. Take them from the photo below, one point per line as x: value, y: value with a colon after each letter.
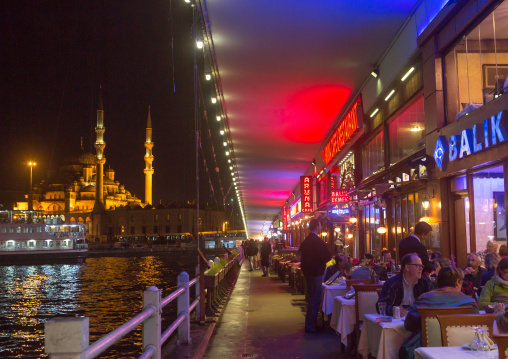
x: 263, y: 319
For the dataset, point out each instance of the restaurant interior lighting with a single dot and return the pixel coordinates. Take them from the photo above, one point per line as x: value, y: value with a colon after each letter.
x: 229, y: 161
x: 222, y: 132
x: 416, y: 128
x: 350, y: 235
x: 214, y: 100
x: 353, y: 220
x: 425, y: 204
x: 208, y: 76
x: 218, y: 117
x: 389, y: 95
x: 324, y: 234
x: 374, y: 112
x: 227, y: 153
x: 225, y: 143
x: 381, y: 230
x: 375, y: 72
x: 199, y: 43
x: 407, y: 74
x: 231, y: 167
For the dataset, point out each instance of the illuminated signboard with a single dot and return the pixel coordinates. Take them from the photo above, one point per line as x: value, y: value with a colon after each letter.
x: 471, y: 140
x: 296, y: 208
x: 338, y: 196
x: 306, y: 186
x: 333, y: 182
x: 340, y: 211
x: 347, y: 127
x: 284, y: 218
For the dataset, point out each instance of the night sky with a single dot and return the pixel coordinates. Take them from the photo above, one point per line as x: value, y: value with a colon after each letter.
x: 55, y: 54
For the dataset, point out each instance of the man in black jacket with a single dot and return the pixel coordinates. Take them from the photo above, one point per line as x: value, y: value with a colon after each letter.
x: 413, y: 244
x: 266, y: 250
x: 252, y: 251
x: 405, y: 287
x: 314, y: 254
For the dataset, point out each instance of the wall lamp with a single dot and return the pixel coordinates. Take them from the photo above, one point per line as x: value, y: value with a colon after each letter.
x: 375, y: 72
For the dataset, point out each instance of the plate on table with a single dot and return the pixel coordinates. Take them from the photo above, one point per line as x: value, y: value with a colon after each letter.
x: 468, y: 347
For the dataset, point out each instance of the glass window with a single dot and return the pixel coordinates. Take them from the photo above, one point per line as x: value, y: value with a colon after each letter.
x: 373, y: 156
x: 489, y: 211
x: 476, y: 69
x: 407, y: 133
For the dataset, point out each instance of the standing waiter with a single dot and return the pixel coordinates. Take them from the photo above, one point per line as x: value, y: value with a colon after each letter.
x: 314, y: 254
x: 413, y: 244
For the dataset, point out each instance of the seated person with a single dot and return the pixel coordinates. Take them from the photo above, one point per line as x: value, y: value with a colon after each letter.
x: 364, y: 271
x: 496, y: 289
x: 447, y: 294
x: 403, y: 288
x: 382, y: 269
x: 491, y: 261
x: 472, y: 274
x: 340, y: 265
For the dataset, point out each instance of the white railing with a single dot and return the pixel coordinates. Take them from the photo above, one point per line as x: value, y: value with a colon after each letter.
x: 69, y: 337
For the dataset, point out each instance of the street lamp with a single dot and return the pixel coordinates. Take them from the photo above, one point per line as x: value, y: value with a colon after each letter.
x: 30, y: 195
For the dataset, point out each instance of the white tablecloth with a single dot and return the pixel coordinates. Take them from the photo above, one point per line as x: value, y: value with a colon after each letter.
x: 329, y: 293
x: 452, y: 353
x: 343, y: 317
x: 382, y: 340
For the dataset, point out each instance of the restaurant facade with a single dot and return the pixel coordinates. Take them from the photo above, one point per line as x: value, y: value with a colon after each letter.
x: 432, y: 142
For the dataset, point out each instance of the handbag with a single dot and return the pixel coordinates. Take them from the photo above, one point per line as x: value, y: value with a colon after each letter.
x: 407, y: 350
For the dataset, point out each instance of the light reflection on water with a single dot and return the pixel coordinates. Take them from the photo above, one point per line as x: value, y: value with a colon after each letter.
x: 109, y: 290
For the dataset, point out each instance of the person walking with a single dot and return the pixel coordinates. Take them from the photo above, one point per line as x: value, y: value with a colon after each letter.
x: 266, y: 250
x: 252, y: 250
x: 314, y: 254
x: 413, y: 244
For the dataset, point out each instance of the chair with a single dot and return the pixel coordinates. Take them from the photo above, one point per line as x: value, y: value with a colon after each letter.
x: 457, y: 330
x: 379, y: 290
x: 351, y: 282
x: 431, y: 332
x: 501, y: 339
x: 366, y: 297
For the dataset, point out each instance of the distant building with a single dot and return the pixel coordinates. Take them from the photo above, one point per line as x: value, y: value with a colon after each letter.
x: 80, y: 191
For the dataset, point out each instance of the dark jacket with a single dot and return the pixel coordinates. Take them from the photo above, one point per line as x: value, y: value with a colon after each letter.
x: 413, y: 245
x: 485, y: 278
x: 393, y: 291
x: 252, y: 248
x: 473, y: 280
x: 314, y: 255
x: 266, y: 249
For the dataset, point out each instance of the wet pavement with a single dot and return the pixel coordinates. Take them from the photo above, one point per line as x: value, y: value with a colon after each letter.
x: 264, y: 319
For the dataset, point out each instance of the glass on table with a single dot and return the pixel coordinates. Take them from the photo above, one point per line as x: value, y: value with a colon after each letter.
x: 382, y: 308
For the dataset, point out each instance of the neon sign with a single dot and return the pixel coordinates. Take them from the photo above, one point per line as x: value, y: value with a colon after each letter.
x: 338, y: 196
x: 306, y: 186
x: 284, y: 218
x: 347, y: 127
x: 471, y: 140
x: 295, y: 208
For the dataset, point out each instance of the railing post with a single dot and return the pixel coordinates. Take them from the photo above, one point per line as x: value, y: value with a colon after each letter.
x: 183, y: 308
x: 66, y: 337
x: 152, y: 325
x: 196, y: 293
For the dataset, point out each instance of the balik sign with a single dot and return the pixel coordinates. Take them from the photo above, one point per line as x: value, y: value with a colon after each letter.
x: 471, y: 140
x: 338, y: 196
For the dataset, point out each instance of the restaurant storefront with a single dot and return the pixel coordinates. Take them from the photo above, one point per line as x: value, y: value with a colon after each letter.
x: 467, y: 137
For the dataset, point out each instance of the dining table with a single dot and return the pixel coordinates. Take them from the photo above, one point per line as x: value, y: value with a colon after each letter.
x: 452, y: 353
x: 343, y: 317
x: 329, y: 293
x: 383, y: 339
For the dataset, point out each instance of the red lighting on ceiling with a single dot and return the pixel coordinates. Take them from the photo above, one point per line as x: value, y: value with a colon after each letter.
x: 313, y: 111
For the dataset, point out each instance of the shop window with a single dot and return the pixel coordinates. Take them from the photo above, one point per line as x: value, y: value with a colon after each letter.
x: 373, y: 156
x: 477, y: 67
x: 489, y: 209
x: 407, y: 133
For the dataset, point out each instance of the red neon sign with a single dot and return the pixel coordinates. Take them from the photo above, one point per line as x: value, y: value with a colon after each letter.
x: 339, y: 196
x: 284, y: 218
x: 306, y: 186
x: 347, y: 127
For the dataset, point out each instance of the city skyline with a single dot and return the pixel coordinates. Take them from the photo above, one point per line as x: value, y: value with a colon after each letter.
x: 58, y: 56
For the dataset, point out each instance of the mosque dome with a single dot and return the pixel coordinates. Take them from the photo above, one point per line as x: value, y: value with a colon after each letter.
x: 81, y: 157
x: 90, y: 188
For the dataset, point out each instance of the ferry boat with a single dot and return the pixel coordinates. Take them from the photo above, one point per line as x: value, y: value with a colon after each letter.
x: 28, y: 234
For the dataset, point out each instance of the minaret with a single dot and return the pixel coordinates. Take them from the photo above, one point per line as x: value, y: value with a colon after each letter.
x: 148, y: 160
x: 99, y: 156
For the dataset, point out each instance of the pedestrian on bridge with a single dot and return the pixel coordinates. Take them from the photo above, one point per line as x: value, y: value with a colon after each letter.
x: 266, y: 250
x: 252, y: 251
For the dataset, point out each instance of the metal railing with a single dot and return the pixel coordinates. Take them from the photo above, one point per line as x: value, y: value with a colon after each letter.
x: 69, y: 337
